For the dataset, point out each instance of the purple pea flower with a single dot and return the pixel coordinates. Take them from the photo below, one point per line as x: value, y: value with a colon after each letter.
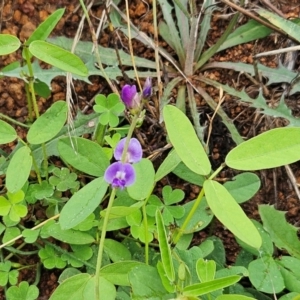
x: 120, y: 175
x: 130, y: 97
x: 134, y: 152
x: 147, y: 89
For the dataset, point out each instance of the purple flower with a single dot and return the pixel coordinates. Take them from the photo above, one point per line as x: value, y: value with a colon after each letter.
x: 120, y: 175
x: 130, y: 97
x: 134, y: 152
x: 147, y: 89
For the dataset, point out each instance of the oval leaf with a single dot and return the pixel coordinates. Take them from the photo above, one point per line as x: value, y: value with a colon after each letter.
x: 231, y: 214
x: 185, y: 141
x: 243, y: 186
x: 45, y: 28
x: 58, y: 57
x: 7, y: 133
x: 69, y: 236
x: 48, y: 125
x: 18, y: 169
x: 84, y: 155
x: 82, y: 203
x: 277, y: 147
x: 144, y: 180
x: 8, y: 44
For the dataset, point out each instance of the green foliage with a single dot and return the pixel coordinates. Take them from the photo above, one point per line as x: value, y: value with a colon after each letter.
x: 7, y: 274
x: 64, y: 180
x: 185, y: 141
x: 84, y: 155
x: 23, y: 292
x: 13, y: 206
x: 110, y: 108
x: 50, y: 258
x: 7, y: 133
x: 8, y: 44
x: 169, y: 212
x: 47, y: 126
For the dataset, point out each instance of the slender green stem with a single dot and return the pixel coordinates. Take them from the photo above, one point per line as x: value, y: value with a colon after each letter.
x: 102, y: 240
x: 145, y: 221
x: 29, y: 103
x: 37, y: 274
x: 194, y: 208
x: 189, y: 217
x: 13, y: 121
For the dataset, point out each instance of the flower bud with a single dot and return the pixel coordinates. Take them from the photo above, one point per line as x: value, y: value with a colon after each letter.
x: 147, y: 89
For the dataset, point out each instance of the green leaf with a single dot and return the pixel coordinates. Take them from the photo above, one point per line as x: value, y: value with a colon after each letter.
x: 69, y: 236
x: 84, y: 155
x: 267, y: 247
x: 290, y: 271
x: 210, y: 286
x: 7, y: 133
x: 30, y: 236
x: 271, y: 149
x: 168, y: 165
x: 164, y: 247
x: 185, y: 141
x: 110, y: 108
x: 117, y: 273
x: 51, y: 258
x: 146, y: 284
x: 5, y: 206
x: 200, y: 219
x: 284, y: 235
x: 23, y: 292
x: 183, y: 172
x: 265, y: 275
x: 250, y: 31
x: 144, y: 182
x: 58, y: 57
x: 18, y: 169
x: 82, y: 287
x: 8, y: 44
x: 243, y: 186
x: 231, y: 214
x: 289, y: 27
x: 45, y: 28
x: 82, y: 203
x: 170, y: 34
x: 49, y: 124
x: 206, y: 269
x: 116, y: 251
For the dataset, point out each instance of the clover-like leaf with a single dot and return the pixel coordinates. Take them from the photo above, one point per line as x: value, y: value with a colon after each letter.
x: 109, y: 108
x: 137, y: 226
x: 7, y: 274
x: 23, y: 292
x: 12, y: 206
x: 63, y: 180
x: 30, y: 236
x: 169, y: 213
x: 42, y: 191
x: 51, y: 258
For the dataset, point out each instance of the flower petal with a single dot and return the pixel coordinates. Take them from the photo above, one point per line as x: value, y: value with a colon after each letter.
x: 134, y: 151
x: 128, y: 95
x: 120, y: 175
